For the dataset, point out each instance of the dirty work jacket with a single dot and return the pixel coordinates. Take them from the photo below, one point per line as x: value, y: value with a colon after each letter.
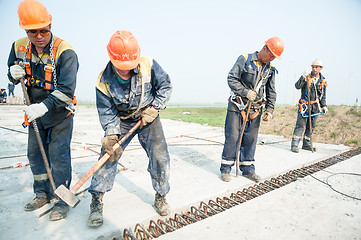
x: 242, y: 78
x: 112, y: 102
x: 66, y: 64
x: 321, y: 92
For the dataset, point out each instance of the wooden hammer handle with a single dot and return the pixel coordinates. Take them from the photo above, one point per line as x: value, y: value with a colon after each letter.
x: 103, y: 159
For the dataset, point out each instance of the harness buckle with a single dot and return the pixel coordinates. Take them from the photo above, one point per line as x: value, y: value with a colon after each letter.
x: 46, y: 67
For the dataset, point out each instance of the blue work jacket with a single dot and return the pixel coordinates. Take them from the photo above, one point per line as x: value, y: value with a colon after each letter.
x: 66, y: 68
x: 113, y: 102
x: 242, y: 78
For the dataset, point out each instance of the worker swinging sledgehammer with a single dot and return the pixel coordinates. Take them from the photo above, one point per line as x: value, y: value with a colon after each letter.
x: 131, y: 88
x: 313, y: 88
x: 251, y: 77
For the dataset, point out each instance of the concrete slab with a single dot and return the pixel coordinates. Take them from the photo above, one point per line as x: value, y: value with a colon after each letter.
x: 195, y: 159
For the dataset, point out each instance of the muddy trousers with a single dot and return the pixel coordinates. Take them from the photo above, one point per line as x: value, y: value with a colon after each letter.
x: 56, y: 142
x: 152, y: 139
x: 302, y: 124
x: 233, y: 129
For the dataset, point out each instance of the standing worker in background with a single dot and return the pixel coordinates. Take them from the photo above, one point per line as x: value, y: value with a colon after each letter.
x: 318, y: 104
x: 251, y: 76
x: 129, y: 89
x: 51, y: 67
x: 11, y: 88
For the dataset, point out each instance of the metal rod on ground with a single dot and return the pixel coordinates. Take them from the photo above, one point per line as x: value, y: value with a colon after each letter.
x: 309, y: 110
x: 38, y: 138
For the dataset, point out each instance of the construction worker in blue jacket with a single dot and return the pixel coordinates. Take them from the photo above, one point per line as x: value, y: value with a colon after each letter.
x: 130, y: 89
x: 49, y: 66
x: 251, y: 77
x: 3, y: 95
x: 11, y: 88
x: 317, y: 86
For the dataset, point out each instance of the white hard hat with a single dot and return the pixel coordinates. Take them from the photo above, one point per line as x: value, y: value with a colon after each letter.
x: 317, y: 62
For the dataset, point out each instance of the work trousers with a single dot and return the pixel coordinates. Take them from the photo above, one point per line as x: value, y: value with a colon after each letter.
x: 11, y: 92
x: 302, y: 124
x: 56, y: 141
x: 233, y: 129
x: 151, y: 138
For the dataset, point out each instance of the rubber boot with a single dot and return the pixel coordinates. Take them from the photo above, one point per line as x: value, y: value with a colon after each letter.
x: 161, y: 205
x: 96, y: 210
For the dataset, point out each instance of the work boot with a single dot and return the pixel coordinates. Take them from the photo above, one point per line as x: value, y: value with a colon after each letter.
x: 161, y: 205
x: 60, y: 210
x: 226, y: 176
x: 96, y: 210
x: 308, y: 148
x: 253, y: 176
x: 294, y: 149
x: 36, y: 203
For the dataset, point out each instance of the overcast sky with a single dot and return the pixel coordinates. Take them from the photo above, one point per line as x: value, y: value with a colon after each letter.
x: 197, y: 42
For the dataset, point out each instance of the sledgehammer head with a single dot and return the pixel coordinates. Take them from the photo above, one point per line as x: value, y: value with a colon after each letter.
x: 67, y: 196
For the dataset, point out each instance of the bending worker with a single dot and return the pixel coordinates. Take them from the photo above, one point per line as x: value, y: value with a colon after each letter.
x: 251, y: 77
x: 129, y: 89
x: 318, y: 104
x: 51, y: 67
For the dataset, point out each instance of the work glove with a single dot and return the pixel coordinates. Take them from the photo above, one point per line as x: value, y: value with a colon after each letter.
x: 251, y: 95
x: 325, y: 110
x: 306, y: 73
x: 108, y: 143
x: 148, y: 116
x: 17, y: 72
x: 267, y: 116
x: 35, y: 111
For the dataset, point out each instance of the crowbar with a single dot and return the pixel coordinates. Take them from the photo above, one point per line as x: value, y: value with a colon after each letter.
x: 309, y: 110
x: 257, y: 86
x: 37, y: 133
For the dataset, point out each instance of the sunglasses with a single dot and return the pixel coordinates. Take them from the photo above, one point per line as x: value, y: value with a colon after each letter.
x: 34, y: 33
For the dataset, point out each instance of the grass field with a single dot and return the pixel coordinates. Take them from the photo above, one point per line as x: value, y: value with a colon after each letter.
x: 212, y: 116
x: 342, y: 125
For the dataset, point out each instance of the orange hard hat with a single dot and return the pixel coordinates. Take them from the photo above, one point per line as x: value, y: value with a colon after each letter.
x: 276, y: 46
x: 123, y: 50
x: 33, y: 15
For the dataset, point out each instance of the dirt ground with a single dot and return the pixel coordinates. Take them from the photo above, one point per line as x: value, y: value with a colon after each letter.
x: 305, y: 209
x: 342, y: 125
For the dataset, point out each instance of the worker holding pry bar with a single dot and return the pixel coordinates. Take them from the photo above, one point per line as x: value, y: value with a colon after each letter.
x: 251, y: 77
x: 131, y: 88
x: 49, y: 66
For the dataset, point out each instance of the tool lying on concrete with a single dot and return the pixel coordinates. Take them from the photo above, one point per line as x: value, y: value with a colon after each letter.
x: 67, y: 195
x: 37, y: 133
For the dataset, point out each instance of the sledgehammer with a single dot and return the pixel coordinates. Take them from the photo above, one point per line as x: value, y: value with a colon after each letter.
x: 67, y: 195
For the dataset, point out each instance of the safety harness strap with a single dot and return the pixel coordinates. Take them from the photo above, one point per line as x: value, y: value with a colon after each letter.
x: 49, y: 68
